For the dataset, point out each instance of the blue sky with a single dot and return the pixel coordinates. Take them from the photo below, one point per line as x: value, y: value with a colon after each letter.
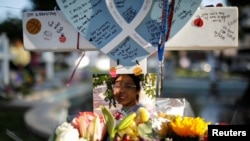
x: 12, y: 8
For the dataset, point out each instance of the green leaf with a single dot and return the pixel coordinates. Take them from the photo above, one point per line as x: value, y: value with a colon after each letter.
x: 145, y: 130
x: 109, y: 121
x: 52, y: 137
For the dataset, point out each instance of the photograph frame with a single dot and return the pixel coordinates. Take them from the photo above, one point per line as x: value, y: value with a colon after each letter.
x: 103, y: 91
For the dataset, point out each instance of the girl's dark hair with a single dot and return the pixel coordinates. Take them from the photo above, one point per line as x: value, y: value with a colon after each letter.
x: 136, y: 79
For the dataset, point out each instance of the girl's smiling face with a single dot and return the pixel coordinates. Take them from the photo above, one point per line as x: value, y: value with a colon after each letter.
x: 125, y: 91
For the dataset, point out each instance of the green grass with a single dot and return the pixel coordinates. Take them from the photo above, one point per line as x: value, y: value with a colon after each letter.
x: 13, y: 120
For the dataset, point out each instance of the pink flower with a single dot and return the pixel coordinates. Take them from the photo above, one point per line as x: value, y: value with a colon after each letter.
x: 90, y: 125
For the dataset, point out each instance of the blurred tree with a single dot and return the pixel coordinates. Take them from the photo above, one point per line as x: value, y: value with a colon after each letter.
x: 44, y: 4
x: 242, y: 6
x: 244, y: 29
x: 239, y: 3
x: 13, y: 28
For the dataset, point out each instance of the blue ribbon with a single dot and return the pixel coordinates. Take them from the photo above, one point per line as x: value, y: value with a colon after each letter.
x: 165, y: 26
x: 167, y: 15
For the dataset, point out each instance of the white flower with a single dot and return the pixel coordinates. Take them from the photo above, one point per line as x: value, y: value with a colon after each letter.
x: 157, y: 122
x: 66, y: 132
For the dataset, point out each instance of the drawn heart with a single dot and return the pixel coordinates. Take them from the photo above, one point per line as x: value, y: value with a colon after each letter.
x: 124, y: 30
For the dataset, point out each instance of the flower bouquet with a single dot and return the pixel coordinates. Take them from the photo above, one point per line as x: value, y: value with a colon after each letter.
x: 86, y: 126
x: 137, y: 126
x: 179, y: 128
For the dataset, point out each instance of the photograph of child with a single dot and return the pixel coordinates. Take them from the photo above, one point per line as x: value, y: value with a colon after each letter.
x: 125, y: 92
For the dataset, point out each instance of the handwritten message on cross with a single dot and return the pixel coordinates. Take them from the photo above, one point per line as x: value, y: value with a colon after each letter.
x: 129, y: 32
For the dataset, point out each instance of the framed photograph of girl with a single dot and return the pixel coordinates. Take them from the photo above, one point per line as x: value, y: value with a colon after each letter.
x: 124, y: 92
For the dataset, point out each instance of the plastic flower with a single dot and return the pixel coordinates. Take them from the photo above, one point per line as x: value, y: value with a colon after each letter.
x: 189, y: 126
x: 90, y: 125
x: 137, y: 70
x: 112, y: 72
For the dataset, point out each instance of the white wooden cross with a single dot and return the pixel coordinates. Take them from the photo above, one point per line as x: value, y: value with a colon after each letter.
x: 5, y: 57
x: 210, y: 28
